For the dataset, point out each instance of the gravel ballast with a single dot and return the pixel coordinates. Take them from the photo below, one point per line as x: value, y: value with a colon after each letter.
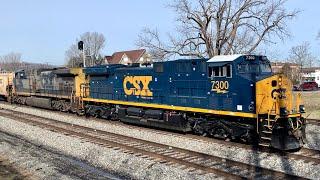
x: 136, y: 167
x: 7, y: 171
x: 115, y: 161
x: 36, y: 161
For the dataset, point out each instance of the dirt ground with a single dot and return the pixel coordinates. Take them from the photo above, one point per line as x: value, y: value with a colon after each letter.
x: 311, y: 101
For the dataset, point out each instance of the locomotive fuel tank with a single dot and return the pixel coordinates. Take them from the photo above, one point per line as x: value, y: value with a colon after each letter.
x: 39, y: 102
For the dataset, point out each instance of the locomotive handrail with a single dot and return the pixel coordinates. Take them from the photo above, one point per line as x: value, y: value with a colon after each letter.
x: 264, y: 96
x: 258, y: 112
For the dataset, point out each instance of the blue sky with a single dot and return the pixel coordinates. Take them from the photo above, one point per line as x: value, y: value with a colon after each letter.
x: 42, y: 30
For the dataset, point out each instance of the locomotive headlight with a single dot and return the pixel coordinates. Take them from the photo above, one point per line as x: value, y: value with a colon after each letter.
x: 283, y: 111
x: 280, y: 81
x: 302, y: 109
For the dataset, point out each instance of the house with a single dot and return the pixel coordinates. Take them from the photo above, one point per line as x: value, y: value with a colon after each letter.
x: 317, y: 76
x: 291, y: 70
x: 129, y: 57
x: 311, y: 74
x: 277, y: 67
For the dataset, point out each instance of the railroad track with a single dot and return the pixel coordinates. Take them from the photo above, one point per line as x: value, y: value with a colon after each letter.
x: 304, y: 154
x: 192, y: 161
x: 314, y: 121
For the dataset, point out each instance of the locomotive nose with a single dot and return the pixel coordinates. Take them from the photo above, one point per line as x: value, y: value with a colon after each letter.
x: 280, y: 113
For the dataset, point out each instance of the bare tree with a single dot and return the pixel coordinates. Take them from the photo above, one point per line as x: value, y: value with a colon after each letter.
x: 93, y: 44
x: 301, y: 55
x: 206, y: 28
x: 73, y: 56
x: 11, y: 61
x: 293, y: 74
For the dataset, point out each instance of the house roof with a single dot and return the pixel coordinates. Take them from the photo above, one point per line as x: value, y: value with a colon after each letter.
x: 310, y: 70
x: 108, y: 58
x: 133, y: 55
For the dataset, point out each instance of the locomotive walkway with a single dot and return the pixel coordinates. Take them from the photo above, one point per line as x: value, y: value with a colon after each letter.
x: 193, y: 161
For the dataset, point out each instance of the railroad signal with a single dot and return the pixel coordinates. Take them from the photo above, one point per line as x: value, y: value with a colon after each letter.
x: 80, y: 45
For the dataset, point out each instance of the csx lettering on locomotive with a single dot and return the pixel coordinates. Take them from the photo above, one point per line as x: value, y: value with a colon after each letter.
x: 139, y: 85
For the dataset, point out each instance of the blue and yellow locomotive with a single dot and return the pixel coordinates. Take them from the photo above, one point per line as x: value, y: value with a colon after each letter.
x: 234, y: 96
x: 228, y: 97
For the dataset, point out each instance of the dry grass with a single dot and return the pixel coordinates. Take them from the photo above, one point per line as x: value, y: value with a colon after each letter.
x: 311, y: 100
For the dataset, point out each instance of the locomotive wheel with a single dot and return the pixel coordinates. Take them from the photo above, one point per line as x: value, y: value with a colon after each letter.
x: 97, y: 114
x: 204, y: 134
x: 221, y: 133
x: 10, y: 99
x: 250, y: 138
x: 65, y: 107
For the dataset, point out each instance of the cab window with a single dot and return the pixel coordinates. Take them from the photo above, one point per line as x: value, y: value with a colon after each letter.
x: 265, y: 68
x: 248, y: 68
x: 254, y: 68
x: 243, y: 68
x: 220, y: 71
x: 229, y: 71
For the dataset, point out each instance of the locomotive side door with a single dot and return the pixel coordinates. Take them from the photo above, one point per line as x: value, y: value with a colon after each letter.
x: 220, y: 76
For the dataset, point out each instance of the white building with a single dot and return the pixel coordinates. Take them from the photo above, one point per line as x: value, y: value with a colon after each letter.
x: 317, y: 77
x: 311, y: 74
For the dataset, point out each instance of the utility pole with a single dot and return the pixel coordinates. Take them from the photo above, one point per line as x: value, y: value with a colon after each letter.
x: 84, y: 58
